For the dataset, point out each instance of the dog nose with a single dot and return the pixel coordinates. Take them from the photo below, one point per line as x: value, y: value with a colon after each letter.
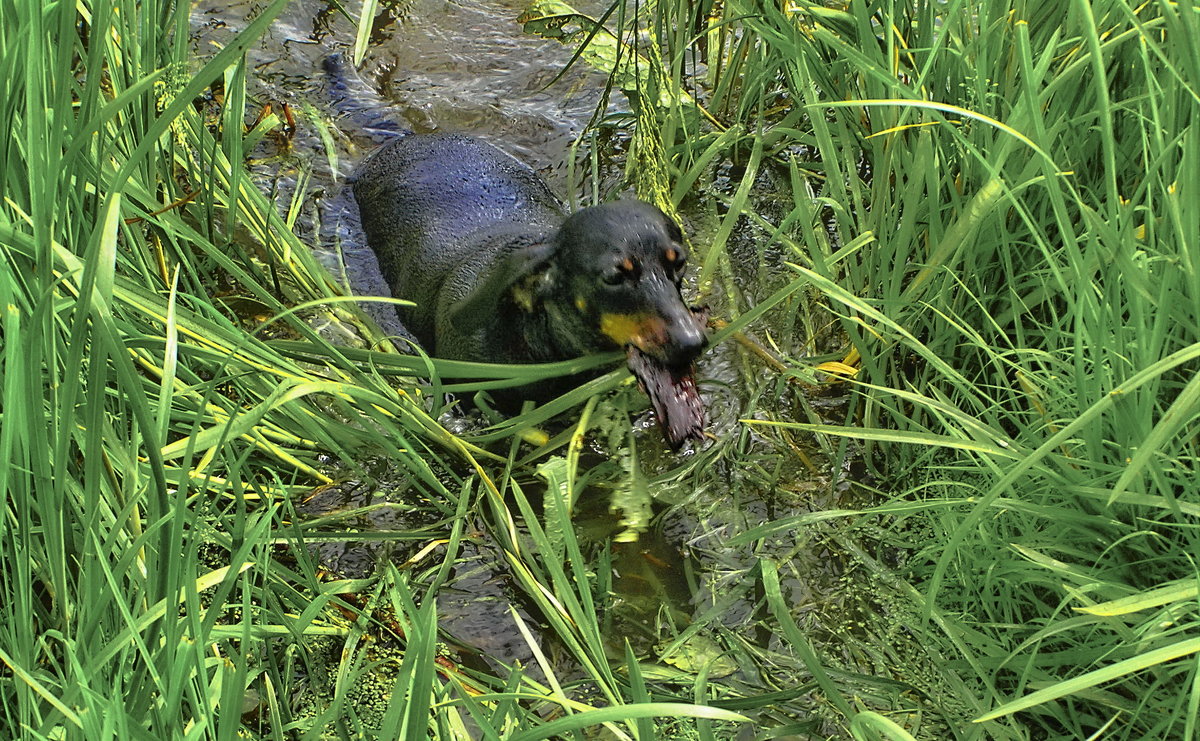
x: 686, y: 340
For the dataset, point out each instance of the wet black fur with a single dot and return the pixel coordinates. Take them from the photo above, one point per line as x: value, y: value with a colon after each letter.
x: 497, y: 269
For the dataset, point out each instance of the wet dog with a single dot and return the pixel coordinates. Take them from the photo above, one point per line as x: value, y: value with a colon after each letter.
x: 499, y: 273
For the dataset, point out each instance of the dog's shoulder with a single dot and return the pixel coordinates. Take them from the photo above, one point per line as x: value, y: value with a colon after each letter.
x: 490, y: 297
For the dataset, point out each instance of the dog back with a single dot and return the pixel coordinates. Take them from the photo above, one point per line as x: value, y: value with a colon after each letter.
x: 427, y: 200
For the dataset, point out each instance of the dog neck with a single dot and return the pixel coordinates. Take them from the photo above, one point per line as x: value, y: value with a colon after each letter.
x: 551, y: 330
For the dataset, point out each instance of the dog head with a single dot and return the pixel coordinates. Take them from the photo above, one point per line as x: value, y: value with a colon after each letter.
x: 619, y: 269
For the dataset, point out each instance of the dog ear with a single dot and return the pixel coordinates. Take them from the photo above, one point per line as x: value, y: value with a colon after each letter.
x: 520, y: 274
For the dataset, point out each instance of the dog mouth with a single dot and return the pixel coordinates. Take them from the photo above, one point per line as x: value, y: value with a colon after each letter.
x: 673, y: 394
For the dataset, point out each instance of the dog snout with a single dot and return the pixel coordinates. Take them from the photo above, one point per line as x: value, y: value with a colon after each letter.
x: 675, y: 336
x: 685, y: 340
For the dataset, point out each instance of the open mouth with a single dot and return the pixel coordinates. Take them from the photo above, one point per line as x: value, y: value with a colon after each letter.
x: 673, y: 395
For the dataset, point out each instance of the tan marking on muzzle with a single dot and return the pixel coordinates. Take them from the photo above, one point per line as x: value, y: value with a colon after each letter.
x: 646, y: 332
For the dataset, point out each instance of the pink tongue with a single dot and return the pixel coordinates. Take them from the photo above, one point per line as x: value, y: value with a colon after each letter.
x: 673, y: 395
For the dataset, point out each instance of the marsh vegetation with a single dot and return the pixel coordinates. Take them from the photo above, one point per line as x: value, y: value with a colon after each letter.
x: 952, y: 491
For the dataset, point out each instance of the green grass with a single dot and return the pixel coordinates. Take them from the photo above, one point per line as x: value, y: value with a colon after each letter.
x: 986, y: 211
x: 169, y: 404
x: 156, y: 439
x: 1024, y: 303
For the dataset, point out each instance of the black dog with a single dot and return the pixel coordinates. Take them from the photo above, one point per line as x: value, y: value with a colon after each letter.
x: 500, y: 274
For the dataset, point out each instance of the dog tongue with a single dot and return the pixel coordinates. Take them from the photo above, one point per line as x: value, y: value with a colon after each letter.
x: 673, y: 395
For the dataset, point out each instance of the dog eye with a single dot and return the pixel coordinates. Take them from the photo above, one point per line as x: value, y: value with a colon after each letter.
x: 677, y: 259
x: 625, y: 270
